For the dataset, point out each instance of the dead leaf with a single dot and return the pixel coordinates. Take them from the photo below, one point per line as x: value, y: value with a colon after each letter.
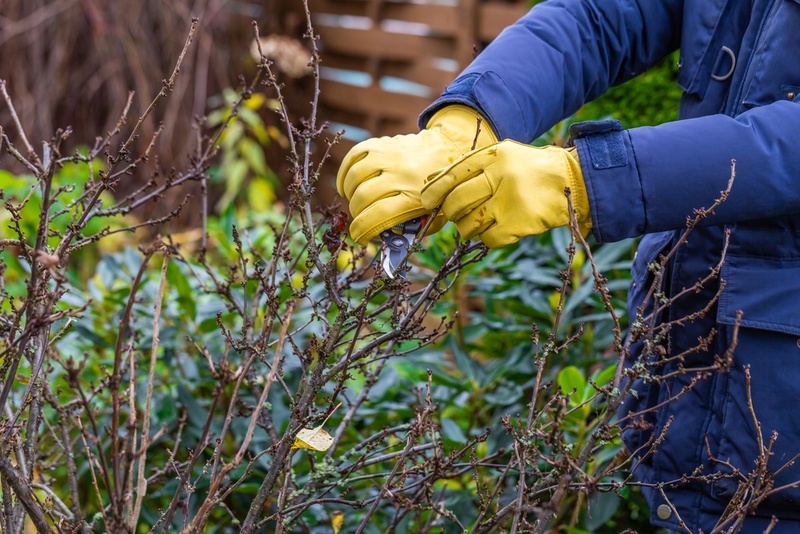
x: 337, y: 520
x: 313, y: 438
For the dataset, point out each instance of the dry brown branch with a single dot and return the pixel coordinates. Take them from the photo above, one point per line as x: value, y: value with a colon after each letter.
x: 22, y: 491
x: 141, y: 481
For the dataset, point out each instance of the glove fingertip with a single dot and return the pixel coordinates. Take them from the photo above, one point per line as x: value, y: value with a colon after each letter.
x: 434, y: 191
x: 494, y: 237
x: 343, y: 175
x: 437, y: 224
x: 362, y: 238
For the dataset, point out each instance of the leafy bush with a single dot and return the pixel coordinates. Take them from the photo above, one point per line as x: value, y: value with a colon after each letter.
x: 259, y: 374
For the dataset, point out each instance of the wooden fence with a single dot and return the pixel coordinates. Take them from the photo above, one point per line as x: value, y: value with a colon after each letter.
x: 384, y: 61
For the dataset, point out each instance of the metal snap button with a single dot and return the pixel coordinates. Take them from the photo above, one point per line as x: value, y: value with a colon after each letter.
x: 663, y: 511
x: 790, y: 95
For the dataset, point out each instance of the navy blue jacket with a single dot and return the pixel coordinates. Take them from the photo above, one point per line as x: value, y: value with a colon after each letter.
x: 740, y: 71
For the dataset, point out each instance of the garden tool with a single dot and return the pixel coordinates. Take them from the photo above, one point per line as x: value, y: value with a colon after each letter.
x: 395, y: 245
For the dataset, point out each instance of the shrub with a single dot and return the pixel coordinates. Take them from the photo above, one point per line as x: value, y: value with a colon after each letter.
x: 260, y: 374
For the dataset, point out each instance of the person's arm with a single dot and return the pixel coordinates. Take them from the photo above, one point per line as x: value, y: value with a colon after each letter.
x: 560, y: 55
x: 650, y: 179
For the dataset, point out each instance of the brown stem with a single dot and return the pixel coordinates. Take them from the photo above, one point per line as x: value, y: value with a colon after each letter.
x: 22, y: 491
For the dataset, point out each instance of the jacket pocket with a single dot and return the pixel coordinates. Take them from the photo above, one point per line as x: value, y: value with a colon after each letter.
x: 766, y: 291
x: 638, y: 423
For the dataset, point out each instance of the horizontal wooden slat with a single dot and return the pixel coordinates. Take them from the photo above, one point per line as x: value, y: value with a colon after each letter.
x: 371, y: 100
x: 386, y: 129
x: 342, y: 116
x: 440, y: 18
x: 385, y: 126
x: 423, y: 72
x: 493, y: 17
x: 339, y: 7
x: 377, y: 43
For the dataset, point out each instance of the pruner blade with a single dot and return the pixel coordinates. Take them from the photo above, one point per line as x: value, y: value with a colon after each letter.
x: 395, y: 244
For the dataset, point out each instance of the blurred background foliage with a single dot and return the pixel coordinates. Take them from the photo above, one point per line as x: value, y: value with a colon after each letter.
x: 72, y: 63
x: 482, y: 371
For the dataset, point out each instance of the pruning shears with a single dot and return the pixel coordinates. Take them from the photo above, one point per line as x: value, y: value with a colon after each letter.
x: 395, y: 244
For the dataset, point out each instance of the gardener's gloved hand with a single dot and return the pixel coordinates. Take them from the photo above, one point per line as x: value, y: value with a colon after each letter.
x: 382, y: 177
x: 509, y: 190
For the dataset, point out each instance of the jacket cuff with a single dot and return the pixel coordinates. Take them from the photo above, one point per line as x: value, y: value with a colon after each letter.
x: 612, y: 181
x: 489, y: 95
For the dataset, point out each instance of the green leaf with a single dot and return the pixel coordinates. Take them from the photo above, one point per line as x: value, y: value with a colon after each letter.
x: 387, y: 380
x: 606, y: 256
x: 91, y: 336
x: 452, y: 432
x: 260, y: 194
x: 602, y: 507
x: 504, y: 395
x: 217, y: 117
x: 583, y: 295
x: 249, y: 117
x: 108, y: 270
x: 232, y: 135
x: 10, y: 182
x: 260, y: 133
x: 196, y: 412
x: 234, y: 176
x: 572, y: 382
x: 561, y: 240
x: 466, y: 364
x: 531, y: 271
x: 253, y: 153
x: 605, y: 376
x: 179, y: 280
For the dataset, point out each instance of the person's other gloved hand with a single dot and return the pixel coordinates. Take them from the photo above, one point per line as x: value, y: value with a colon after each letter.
x: 382, y: 177
x: 509, y: 190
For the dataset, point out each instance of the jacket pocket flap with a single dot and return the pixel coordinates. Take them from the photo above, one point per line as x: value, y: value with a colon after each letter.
x: 765, y: 290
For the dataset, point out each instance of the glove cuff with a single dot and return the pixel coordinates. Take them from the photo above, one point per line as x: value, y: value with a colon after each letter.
x: 577, y: 187
x: 464, y: 127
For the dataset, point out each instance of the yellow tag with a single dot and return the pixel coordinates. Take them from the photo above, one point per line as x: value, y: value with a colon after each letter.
x: 313, y: 438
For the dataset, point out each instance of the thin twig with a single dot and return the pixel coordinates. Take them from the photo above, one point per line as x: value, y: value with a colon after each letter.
x: 141, y: 481
x: 20, y: 130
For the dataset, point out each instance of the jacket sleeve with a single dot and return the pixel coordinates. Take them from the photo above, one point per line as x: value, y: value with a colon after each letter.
x: 561, y: 54
x: 651, y: 179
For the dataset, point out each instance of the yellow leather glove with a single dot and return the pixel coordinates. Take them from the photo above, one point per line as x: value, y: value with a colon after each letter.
x: 382, y: 177
x: 509, y: 190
